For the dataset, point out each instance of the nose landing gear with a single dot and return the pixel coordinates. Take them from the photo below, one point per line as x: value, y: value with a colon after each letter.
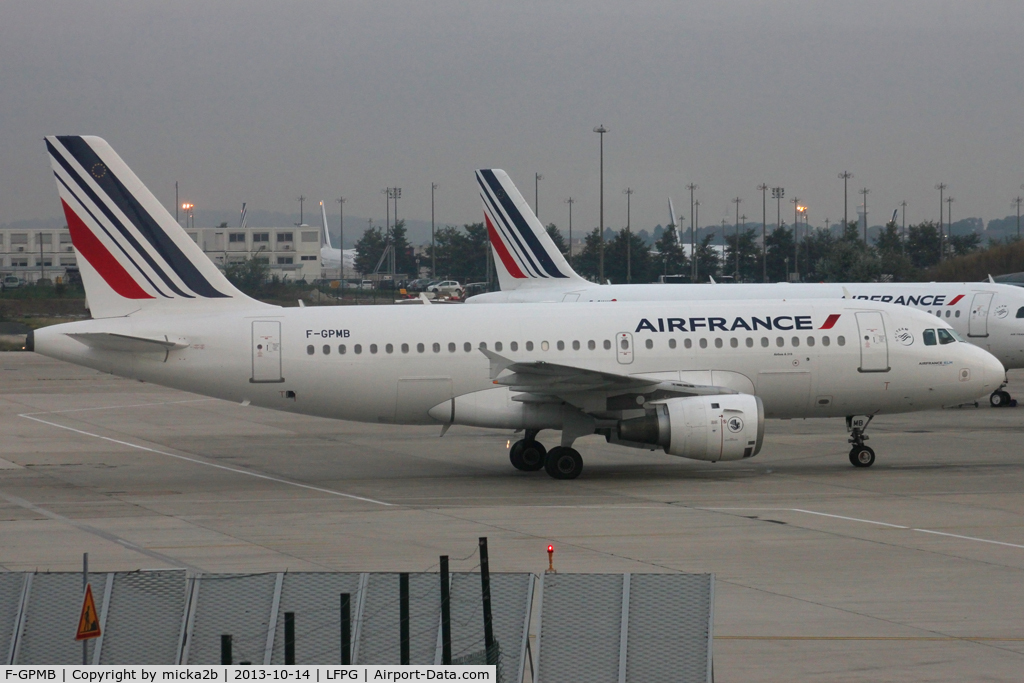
x: 860, y: 455
x: 1001, y: 399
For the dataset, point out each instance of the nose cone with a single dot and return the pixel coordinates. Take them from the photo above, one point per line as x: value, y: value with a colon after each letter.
x: 994, y: 372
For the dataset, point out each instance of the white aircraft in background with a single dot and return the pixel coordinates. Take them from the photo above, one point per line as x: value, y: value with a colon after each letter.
x: 330, y: 255
x: 532, y: 270
x: 695, y: 379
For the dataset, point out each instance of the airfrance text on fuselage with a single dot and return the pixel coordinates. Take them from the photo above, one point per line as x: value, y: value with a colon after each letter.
x: 751, y: 324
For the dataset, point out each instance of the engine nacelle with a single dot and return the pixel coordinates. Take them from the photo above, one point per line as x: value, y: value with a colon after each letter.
x: 723, y: 427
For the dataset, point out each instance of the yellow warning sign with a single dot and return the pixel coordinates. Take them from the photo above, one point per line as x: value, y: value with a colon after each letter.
x: 89, y: 621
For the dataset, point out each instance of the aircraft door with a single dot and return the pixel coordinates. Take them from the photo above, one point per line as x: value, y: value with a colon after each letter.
x: 624, y: 348
x: 266, y: 351
x: 874, y: 343
x: 978, y: 324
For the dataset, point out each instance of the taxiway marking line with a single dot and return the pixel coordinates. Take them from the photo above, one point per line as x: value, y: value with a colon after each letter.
x: 897, y: 638
x: 210, y: 464
x: 871, y: 521
x: 131, y: 405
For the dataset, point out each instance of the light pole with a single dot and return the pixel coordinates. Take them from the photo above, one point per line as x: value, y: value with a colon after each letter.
x: 696, y: 217
x: 537, y: 177
x: 570, y: 201
x: 845, y: 176
x: 1017, y: 201
x: 736, y: 247
x: 796, y: 234
x: 764, y: 231
x: 903, y: 205
x: 693, y: 236
x: 941, y: 187
x: 864, y: 193
x: 744, y: 219
x: 394, y: 252
x: 629, y: 237
x: 341, y: 239
x: 949, y: 223
x: 433, y: 248
x: 302, y: 200
x: 601, y: 130
x: 175, y: 201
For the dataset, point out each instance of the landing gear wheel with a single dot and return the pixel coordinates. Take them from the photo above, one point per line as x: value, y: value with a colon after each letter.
x: 999, y: 399
x: 862, y: 456
x: 563, y: 463
x: 527, y: 456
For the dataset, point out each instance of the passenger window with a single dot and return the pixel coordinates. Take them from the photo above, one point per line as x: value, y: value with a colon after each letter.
x: 718, y: 343
x: 561, y: 345
x: 358, y: 348
x: 497, y: 346
x: 779, y: 341
x: 750, y: 342
x: 841, y: 340
x: 420, y: 348
x: 341, y: 349
x: 688, y: 343
x: 825, y: 341
x: 514, y: 346
x: 373, y: 348
x: 734, y: 342
x: 437, y: 348
x: 483, y: 345
x: 607, y: 345
x: 310, y: 350
x: 624, y: 344
x: 467, y: 347
x: 405, y: 348
x: 389, y: 348
x: 764, y: 342
x: 796, y: 341
x: 810, y: 341
x: 649, y: 343
x: 576, y: 345
x: 703, y: 343
x: 929, y: 337
x: 544, y: 346
x: 327, y: 349
x: 451, y: 347
x: 947, y: 313
x: 591, y: 345
x: 672, y: 343
x: 945, y: 337
x: 529, y: 346
x: 957, y: 314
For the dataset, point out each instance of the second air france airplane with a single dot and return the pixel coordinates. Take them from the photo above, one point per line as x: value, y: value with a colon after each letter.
x: 695, y: 379
x: 531, y: 269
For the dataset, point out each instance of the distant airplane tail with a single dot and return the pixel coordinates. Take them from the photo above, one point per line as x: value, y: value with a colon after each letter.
x: 323, y: 222
x: 133, y: 255
x: 523, y: 250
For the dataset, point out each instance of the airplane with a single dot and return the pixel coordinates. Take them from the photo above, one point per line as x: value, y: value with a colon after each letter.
x: 696, y: 380
x: 330, y: 255
x: 532, y: 270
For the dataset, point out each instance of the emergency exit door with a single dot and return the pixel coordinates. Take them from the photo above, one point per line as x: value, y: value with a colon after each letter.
x: 874, y: 344
x: 624, y: 348
x: 266, y: 351
x: 977, y: 326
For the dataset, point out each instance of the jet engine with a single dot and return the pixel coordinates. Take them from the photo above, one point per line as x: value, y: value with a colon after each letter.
x: 722, y: 427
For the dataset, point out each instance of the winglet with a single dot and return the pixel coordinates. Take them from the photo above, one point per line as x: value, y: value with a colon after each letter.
x: 498, y: 362
x: 991, y: 279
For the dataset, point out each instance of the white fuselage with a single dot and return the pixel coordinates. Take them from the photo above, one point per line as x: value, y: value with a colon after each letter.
x: 331, y: 258
x: 988, y: 315
x: 394, y: 364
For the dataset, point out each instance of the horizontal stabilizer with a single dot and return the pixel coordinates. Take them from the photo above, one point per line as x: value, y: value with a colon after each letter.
x: 107, y: 341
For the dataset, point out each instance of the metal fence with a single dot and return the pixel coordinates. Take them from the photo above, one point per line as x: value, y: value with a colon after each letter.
x: 600, y: 627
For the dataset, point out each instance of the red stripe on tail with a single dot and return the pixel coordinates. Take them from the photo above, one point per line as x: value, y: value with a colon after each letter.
x: 830, y: 321
x: 93, y: 251
x: 506, y: 258
x: 955, y: 299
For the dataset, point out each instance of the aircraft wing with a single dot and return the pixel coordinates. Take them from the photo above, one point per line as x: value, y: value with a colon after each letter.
x: 122, y: 342
x: 589, y: 390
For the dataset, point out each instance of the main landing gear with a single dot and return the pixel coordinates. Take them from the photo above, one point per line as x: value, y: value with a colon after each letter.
x: 860, y: 455
x: 1001, y: 399
x: 529, y: 455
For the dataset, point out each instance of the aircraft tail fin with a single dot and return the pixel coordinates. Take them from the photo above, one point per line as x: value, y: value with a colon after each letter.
x: 323, y: 223
x: 523, y: 250
x: 132, y: 254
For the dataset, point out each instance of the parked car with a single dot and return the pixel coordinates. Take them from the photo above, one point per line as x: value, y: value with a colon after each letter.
x: 419, y: 284
x: 447, y: 287
x: 474, y: 288
x: 11, y: 282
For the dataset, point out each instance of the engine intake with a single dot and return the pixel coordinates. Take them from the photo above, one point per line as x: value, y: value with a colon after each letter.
x: 723, y: 427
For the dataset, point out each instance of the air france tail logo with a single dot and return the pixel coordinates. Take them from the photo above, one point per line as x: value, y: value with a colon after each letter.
x: 114, y: 231
x: 750, y: 324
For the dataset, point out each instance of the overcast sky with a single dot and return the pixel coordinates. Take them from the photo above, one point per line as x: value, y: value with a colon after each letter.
x: 260, y: 101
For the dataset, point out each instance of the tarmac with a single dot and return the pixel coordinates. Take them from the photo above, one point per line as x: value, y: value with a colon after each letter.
x: 910, y: 570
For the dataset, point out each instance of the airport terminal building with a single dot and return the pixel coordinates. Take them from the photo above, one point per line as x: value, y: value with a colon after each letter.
x: 293, y: 253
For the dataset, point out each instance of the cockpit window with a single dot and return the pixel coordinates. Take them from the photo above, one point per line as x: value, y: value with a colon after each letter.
x: 956, y: 335
x: 945, y: 337
x: 929, y: 337
x: 1020, y: 312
